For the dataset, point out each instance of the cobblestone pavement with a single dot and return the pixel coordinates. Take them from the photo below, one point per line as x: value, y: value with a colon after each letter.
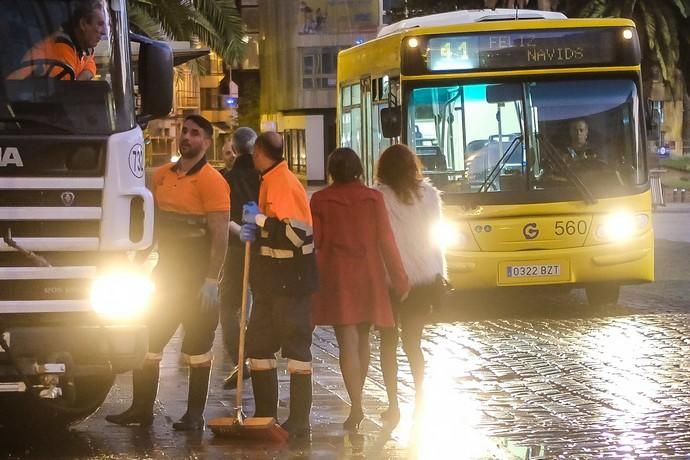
x: 522, y: 376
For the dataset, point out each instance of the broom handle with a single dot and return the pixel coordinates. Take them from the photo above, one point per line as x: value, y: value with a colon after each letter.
x: 243, y: 325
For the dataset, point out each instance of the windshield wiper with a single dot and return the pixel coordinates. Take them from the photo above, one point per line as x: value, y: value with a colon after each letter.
x: 495, y: 172
x: 555, y: 159
x: 19, y: 120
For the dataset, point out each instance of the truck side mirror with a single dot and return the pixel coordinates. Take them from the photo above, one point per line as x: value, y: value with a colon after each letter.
x: 391, y: 121
x: 155, y: 79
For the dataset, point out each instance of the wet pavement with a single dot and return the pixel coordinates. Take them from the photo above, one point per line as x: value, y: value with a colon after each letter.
x: 527, y: 375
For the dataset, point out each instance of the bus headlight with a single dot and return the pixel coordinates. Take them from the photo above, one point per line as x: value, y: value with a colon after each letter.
x: 621, y: 226
x: 446, y: 234
x: 121, y: 295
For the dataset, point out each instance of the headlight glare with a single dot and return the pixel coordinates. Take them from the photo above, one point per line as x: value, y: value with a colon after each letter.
x: 121, y: 295
x: 621, y: 226
x: 445, y: 234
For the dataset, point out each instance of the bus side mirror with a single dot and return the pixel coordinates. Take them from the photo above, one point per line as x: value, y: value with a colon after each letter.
x: 391, y: 121
x: 155, y: 79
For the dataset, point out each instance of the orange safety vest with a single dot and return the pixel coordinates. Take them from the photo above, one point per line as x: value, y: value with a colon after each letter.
x: 56, y: 56
x: 282, y: 195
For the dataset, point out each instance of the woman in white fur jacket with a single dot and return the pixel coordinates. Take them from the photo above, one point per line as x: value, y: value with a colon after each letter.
x: 414, y: 208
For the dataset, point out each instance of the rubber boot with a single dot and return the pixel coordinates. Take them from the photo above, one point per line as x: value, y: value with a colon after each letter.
x: 193, y: 419
x: 297, y: 423
x: 265, y: 387
x: 145, y: 388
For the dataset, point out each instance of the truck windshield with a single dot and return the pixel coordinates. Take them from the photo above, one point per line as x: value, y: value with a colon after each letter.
x: 64, y: 67
x: 530, y: 141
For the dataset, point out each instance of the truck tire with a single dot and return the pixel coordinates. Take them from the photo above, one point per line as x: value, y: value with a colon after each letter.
x: 602, y: 294
x: 23, y: 411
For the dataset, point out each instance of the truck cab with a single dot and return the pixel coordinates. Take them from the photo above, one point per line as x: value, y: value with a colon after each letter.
x: 74, y: 207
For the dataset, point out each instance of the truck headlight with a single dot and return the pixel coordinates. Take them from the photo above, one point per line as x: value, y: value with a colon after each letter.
x: 621, y: 226
x: 446, y: 234
x: 121, y: 295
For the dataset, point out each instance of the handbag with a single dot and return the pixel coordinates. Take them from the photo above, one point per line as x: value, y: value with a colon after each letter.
x: 443, y: 293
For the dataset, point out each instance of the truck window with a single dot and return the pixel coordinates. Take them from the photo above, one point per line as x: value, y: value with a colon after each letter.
x: 61, y: 68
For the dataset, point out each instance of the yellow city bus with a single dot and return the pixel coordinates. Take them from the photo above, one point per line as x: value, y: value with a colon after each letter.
x: 532, y: 124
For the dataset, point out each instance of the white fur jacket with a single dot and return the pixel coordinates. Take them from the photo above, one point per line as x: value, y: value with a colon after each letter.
x: 413, y: 226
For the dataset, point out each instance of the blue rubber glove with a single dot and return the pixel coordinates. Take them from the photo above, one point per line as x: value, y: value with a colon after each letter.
x: 209, y: 295
x: 249, y: 212
x: 248, y: 232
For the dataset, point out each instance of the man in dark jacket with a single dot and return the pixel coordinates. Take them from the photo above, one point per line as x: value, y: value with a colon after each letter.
x: 244, y: 187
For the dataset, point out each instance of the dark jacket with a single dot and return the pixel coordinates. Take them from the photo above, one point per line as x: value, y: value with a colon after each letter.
x: 244, y: 187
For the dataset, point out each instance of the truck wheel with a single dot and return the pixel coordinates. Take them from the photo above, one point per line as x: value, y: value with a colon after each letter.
x: 602, y: 294
x: 23, y: 411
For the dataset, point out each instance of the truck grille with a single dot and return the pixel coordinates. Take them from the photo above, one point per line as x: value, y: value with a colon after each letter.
x: 59, y: 219
x: 63, y: 289
x: 51, y: 229
x: 55, y: 258
x: 51, y: 198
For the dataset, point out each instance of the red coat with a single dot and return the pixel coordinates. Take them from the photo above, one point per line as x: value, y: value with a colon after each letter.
x: 355, y: 248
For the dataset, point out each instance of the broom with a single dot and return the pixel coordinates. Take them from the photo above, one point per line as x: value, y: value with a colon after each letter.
x: 239, y: 426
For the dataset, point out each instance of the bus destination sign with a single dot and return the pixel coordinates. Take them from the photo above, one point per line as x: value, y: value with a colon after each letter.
x: 523, y: 49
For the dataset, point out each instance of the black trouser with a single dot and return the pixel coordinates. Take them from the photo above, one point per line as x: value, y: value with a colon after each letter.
x: 281, y: 323
x: 179, y: 277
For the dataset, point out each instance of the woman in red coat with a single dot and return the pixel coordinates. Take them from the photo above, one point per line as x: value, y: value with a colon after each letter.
x: 355, y: 248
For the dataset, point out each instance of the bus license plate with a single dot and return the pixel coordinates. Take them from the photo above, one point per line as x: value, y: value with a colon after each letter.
x: 532, y: 271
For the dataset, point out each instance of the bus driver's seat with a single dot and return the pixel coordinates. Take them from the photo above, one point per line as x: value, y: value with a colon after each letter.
x: 433, y: 161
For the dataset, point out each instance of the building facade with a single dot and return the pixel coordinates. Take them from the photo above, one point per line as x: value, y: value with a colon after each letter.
x: 196, y: 91
x: 299, y: 43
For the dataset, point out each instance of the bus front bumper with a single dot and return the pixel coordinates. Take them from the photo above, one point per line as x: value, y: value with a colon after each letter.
x: 626, y: 262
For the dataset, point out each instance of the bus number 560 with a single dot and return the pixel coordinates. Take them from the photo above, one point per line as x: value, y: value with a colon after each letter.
x: 570, y: 227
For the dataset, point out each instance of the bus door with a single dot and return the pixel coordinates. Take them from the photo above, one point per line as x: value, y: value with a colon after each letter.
x: 367, y: 154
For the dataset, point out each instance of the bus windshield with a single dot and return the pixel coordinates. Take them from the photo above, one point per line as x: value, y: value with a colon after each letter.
x: 574, y: 139
x: 64, y: 67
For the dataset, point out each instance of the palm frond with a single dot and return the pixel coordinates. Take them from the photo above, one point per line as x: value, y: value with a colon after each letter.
x: 593, y: 9
x: 683, y: 7
x: 229, y: 45
x: 616, y: 12
x: 173, y: 16
x: 628, y: 9
x: 652, y: 30
x: 141, y: 21
x: 221, y: 13
x: 216, y: 23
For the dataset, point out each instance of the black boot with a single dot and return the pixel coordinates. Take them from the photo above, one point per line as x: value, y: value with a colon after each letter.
x: 297, y: 423
x: 265, y: 386
x: 145, y: 383
x: 193, y: 419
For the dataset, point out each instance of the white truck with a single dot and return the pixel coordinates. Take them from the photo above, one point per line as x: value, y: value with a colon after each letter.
x: 73, y: 210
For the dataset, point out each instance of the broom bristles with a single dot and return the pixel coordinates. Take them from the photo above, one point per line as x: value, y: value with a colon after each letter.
x: 258, y: 428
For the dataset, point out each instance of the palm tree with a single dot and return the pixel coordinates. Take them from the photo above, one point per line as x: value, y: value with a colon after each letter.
x: 663, y: 25
x: 216, y: 23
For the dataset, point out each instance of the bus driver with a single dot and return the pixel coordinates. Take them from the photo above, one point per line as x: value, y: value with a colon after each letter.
x: 580, y: 147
